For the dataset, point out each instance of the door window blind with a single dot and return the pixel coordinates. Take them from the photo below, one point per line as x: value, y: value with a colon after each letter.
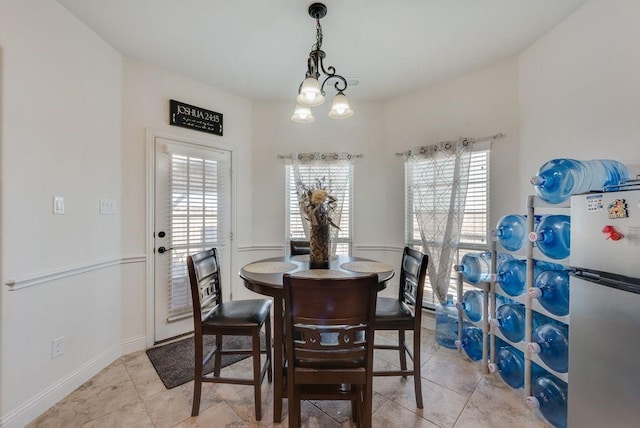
x: 197, y: 188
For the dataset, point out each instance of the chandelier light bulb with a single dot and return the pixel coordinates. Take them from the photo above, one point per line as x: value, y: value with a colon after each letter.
x: 340, y: 108
x: 310, y: 94
x: 302, y: 114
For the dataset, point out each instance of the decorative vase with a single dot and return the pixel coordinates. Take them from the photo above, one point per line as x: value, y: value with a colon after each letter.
x: 319, y: 242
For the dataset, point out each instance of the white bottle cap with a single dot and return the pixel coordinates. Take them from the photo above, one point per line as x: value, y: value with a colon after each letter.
x: 535, y: 180
x: 534, y: 292
x: 493, y: 277
x: 532, y: 402
x: 458, y: 344
x: 494, y: 322
x: 493, y: 367
x: 533, y: 347
x: 533, y: 237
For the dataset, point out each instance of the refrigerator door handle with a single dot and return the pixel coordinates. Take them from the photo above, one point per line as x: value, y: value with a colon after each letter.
x: 607, y: 279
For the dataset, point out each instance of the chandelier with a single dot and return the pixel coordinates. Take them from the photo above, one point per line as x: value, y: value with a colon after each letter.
x: 311, y: 93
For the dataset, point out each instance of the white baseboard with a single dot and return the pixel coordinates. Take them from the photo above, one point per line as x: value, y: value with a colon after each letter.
x: 134, y: 344
x: 41, y: 402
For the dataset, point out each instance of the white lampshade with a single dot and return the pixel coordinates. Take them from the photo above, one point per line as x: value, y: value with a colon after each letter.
x: 310, y: 94
x: 340, y: 108
x: 302, y: 114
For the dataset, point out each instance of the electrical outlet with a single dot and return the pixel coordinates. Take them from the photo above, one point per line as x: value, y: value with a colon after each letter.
x: 57, y: 347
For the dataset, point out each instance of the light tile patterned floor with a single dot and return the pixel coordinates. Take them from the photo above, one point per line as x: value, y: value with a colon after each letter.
x: 129, y: 393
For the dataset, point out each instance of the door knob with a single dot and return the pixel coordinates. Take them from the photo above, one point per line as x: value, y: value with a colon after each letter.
x: 163, y: 250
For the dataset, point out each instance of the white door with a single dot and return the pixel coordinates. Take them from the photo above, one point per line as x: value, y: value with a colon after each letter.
x: 192, y: 211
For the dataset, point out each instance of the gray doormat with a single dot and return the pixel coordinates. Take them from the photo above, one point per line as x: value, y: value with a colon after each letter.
x: 174, y: 361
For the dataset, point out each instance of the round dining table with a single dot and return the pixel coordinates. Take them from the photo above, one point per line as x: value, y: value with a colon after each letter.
x: 265, y: 277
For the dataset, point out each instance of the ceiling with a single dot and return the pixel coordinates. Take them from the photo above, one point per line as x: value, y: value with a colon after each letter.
x: 258, y: 48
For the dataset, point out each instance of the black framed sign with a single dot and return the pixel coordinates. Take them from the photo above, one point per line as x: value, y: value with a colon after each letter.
x: 188, y: 116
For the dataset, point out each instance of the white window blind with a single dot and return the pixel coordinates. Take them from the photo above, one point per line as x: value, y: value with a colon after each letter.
x: 341, y: 176
x: 475, y: 225
x: 196, y: 218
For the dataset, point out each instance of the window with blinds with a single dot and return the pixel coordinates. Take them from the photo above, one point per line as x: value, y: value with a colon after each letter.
x: 475, y: 225
x: 196, y: 218
x: 341, y: 176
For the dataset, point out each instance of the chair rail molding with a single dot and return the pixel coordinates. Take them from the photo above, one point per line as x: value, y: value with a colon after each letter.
x: 41, y: 279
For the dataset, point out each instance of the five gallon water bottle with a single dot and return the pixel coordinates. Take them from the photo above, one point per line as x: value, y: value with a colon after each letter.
x: 510, y: 319
x: 511, y: 231
x: 509, y: 364
x: 553, y: 236
x: 549, y: 395
x: 512, y: 274
x: 551, y: 342
x: 559, y: 178
x: 447, y: 323
x: 472, y: 304
x: 551, y: 288
x: 471, y: 342
x: 476, y: 267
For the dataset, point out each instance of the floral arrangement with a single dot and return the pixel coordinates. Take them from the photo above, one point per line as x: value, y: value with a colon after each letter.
x: 317, y: 203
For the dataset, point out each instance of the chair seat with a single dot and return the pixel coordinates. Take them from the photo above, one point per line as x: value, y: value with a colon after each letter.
x: 391, y: 310
x: 239, y: 313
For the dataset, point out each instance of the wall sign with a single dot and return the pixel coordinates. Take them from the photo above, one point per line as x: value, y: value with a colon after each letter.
x: 188, y: 116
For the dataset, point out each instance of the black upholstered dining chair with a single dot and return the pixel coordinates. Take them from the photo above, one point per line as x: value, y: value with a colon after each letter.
x: 404, y: 313
x: 299, y: 248
x: 212, y: 316
x: 329, y: 342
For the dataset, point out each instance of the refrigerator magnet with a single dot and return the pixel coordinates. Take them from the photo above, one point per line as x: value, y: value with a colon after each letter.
x: 618, y: 209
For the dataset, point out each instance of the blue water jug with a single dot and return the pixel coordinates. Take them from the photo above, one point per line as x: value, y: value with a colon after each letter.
x: 447, y: 323
x: 549, y: 395
x: 511, y: 231
x: 551, y: 288
x: 472, y: 304
x: 553, y: 236
x: 509, y: 364
x: 471, y: 342
x: 551, y: 342
x: 512, y: 274
x: 510, y: 319
x: 476, y: 267
x: 557, y: 179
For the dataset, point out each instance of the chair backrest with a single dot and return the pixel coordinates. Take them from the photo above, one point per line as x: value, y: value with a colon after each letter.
x: 412, y: 276
x: 330, y: 321
x: 299, y: 248
x: 204, y: 277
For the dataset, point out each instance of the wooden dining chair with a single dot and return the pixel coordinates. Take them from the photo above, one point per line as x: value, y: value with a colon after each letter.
x: 298, y: 248
x: 329, y: 342
x: 212, y: 316
x: 404, y: 313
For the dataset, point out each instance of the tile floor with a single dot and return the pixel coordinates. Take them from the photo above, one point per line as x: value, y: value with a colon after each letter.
x: 129, y: 393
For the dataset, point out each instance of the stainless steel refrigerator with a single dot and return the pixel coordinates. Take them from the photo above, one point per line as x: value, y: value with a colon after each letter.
x: 604, y: 335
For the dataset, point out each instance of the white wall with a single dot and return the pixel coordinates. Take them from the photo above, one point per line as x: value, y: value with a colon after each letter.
x: 275, y: 133
x: 146, y: 94
x: 61, y: 135
x: 478, y: 104
x: 580, y: 89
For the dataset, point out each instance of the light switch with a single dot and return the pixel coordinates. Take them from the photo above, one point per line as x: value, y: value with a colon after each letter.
x: 108, y: 206
x: 58, y: 205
